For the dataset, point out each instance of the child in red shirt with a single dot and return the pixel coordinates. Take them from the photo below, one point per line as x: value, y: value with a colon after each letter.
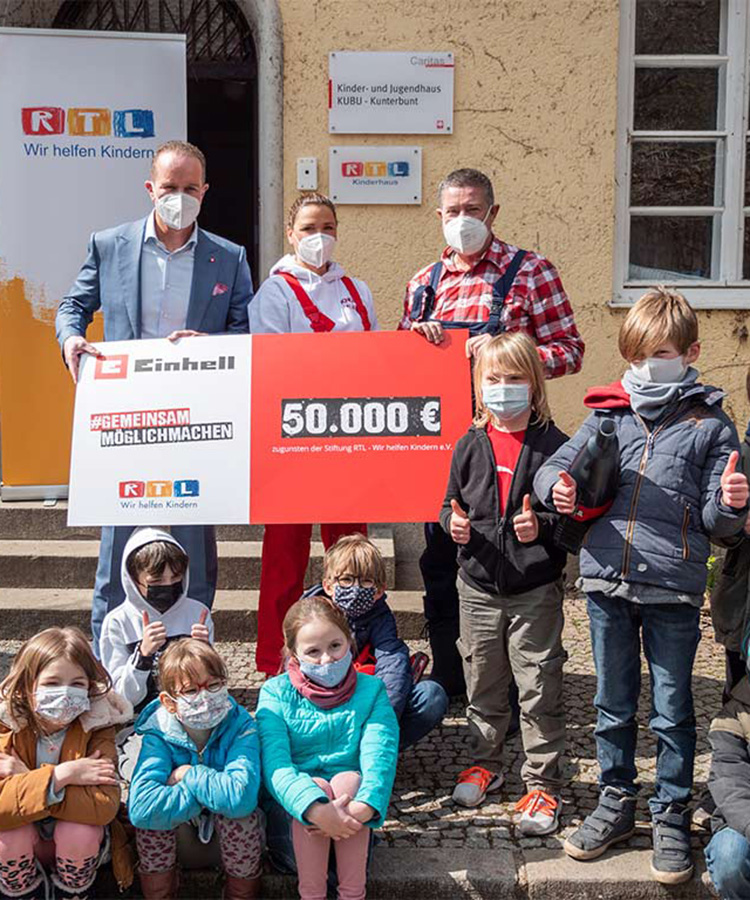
x: 510, y: 582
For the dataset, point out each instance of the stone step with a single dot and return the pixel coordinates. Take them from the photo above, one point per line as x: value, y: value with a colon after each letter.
x: 25, y: 611
x: 72, y: 563
x: 468, y: 874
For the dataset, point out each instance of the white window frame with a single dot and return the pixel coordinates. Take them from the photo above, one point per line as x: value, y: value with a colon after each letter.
x: 731, y: 291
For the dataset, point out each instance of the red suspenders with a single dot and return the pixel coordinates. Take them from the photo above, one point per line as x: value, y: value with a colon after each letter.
x: 318, y: 321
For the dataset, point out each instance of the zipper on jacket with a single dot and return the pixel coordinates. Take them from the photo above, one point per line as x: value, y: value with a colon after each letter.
x: 685, y: 524
x: 645, y: 456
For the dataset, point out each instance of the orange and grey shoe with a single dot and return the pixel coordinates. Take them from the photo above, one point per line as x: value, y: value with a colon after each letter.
x: 474, y: 784
x: 540, y: 813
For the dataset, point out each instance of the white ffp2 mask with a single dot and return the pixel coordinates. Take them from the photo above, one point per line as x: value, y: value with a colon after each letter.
x: 178, y: 210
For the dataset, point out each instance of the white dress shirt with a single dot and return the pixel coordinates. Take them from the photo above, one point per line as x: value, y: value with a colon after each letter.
x: 166, y: 280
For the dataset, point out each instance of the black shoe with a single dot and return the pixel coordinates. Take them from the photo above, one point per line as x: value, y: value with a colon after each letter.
x: 613, y: 820
x: 672, y: 862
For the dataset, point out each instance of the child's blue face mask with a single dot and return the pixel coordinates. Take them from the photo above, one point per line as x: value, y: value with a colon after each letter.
x: 355, y: 601
x: 327, y: 674
x: 506, y: 401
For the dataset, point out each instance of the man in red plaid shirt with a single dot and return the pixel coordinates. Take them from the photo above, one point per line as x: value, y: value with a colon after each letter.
x: 488, y: 286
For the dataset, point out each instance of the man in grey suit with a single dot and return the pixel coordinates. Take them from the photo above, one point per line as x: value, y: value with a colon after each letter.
x: 161, y: 276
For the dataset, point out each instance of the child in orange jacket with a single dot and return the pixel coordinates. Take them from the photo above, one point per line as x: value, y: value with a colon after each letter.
x: 58, y: 780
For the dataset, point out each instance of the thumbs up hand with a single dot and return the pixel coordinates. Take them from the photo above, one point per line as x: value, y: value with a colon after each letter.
x: 734, y: 487
x: 460, y: 525
x: 199, y: 631
x: 564, y: 494
x: 526, y: 524
x: 154, y: 636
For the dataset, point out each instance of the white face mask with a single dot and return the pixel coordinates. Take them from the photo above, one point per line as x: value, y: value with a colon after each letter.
x: 466, y: 234
x: 178, y: 211
x: 506, y: 401
x: 316, y: 249
x: 660, y: 371
x: 205, y: 710
x: 61, y: 705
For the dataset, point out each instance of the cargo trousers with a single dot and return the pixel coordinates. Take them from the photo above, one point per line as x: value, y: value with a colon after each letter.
x: 518, y: 635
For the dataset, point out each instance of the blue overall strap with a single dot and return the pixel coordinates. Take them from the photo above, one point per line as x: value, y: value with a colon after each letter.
x: 423, y: 301
x: 499, y: 293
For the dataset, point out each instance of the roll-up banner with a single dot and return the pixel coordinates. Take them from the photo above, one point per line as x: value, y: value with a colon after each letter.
x: 81, y: 114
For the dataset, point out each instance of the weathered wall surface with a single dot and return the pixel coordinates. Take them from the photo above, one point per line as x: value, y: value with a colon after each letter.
x: 536, y: 96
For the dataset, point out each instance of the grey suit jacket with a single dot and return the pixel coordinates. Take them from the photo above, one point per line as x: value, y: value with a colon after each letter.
x: 110, y: 279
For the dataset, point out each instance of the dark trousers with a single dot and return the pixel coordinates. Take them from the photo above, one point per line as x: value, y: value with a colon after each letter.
x: 439, y: 569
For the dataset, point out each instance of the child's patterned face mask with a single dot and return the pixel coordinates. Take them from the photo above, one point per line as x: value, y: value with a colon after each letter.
x: 61, y: 705
x: 203, y: 710
x: 355, y: 601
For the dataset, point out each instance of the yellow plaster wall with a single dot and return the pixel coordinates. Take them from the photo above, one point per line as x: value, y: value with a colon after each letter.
x: 535, y: 108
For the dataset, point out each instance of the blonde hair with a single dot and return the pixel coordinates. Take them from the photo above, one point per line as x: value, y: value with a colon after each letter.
x: 310, y: 199
x: 307, y: 609
x: 184, y: 658
x: 50, y: 645
x: 511, y: 351
x: 661, y: 316
x: 357, y: 555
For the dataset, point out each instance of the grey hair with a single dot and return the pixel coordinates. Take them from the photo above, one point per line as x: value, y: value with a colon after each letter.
x: 467, y: 178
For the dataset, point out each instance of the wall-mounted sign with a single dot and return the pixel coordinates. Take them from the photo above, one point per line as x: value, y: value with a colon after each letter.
x: 375, y: 174
x: 390, y: 93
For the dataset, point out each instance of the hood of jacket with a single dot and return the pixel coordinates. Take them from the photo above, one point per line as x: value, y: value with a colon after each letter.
x: 108, y: 709
x: 139, y: 538
x: 306, y: 277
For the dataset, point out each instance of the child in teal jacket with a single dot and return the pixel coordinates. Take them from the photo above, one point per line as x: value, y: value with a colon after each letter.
x: 199, y: 762
x: 329, y: 745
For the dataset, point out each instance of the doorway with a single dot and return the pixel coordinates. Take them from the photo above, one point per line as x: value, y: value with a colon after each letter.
x: 222, y: 97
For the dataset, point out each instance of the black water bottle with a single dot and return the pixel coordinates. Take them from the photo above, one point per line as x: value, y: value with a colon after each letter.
x: 596, y: 471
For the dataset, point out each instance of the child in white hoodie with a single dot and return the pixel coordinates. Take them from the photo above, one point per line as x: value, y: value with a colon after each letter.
x: 306, y: 292
x: 156, y: 611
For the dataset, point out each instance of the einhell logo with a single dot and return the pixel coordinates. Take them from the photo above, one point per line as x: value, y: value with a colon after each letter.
x: 111, y: 367
x: 134, y: 490
x: 87, y: 121
x: 378, y: 169
x: 185, y: 364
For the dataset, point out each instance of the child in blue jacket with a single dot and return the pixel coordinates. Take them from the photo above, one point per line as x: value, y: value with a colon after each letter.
x: 643, y: 567
x: 199, y: 762
x: 354, y: 578
x: 329, y: 744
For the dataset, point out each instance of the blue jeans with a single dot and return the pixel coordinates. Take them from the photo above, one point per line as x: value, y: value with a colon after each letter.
x: 728, y: 861
x: 425, y: 708
x: 670, y: 634
x: 198, y: 541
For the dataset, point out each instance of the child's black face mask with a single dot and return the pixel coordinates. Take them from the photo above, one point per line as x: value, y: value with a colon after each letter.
x: 163, y: 596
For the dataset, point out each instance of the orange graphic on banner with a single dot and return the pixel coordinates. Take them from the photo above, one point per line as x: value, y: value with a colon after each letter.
x: 89, y: 122
x: 36, y: 392
x: 158, y: 488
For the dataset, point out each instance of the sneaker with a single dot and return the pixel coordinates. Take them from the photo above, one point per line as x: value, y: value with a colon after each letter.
x: 672, y: 861
x: 540, y: 813
x: 613, y: 820
x: 474, y: 784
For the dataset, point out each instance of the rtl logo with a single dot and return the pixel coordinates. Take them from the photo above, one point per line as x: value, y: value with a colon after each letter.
x: 186, y: 487
x: 85, y: 121
x: 375, y: 169
x: 111, y: 366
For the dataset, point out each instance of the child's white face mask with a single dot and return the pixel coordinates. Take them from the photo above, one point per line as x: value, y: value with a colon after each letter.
x: 660, y: 371
x: 203, y: 710
x: 61, y: 705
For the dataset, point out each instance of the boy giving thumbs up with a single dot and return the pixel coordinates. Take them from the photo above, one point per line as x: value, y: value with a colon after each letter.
x: 510, y: 581
x: 157, y: 610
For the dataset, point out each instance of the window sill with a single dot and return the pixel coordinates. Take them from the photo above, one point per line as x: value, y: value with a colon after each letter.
x: 710, y: 296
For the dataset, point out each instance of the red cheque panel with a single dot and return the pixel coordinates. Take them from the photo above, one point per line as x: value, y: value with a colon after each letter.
x: 344, y: 427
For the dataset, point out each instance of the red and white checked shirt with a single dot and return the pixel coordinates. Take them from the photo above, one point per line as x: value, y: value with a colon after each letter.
x: 536, y: 304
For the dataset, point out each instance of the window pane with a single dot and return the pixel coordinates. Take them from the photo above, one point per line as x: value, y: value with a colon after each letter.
x: 746, y: 255
x: 670, y: 248
x: 675, y: 99
x: 677, y: 26
x: 670, y: 174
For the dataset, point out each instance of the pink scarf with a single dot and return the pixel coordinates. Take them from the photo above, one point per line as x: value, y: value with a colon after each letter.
x: 325, y: 698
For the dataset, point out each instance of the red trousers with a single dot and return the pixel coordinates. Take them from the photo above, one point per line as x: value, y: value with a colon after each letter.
x: 286, y: 552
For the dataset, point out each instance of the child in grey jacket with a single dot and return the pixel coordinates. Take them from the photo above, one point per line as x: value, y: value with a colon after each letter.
x: 643, y: 567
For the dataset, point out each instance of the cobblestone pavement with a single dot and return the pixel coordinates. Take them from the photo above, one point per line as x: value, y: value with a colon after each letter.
x: 421, y: 813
